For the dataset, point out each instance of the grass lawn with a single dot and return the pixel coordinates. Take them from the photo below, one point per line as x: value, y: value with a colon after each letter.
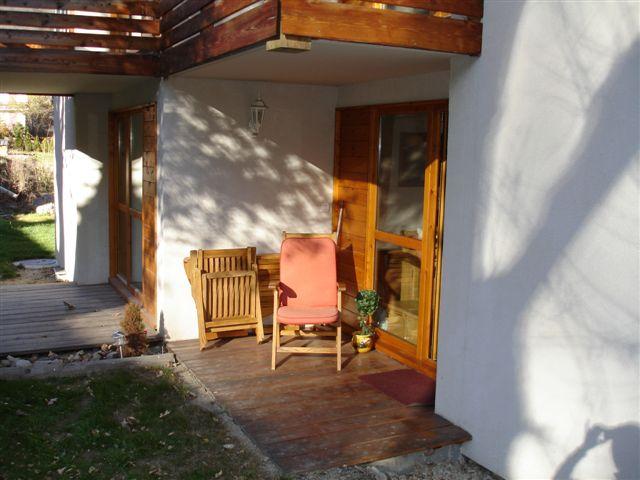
x: 120, y: 425
x: 26, y: 236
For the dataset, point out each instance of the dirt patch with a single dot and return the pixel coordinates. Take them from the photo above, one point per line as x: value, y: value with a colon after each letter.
x: 36, y: 275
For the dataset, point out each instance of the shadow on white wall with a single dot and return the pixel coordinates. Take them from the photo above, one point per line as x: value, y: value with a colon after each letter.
x: 222, y: 187
x: 547, y: 252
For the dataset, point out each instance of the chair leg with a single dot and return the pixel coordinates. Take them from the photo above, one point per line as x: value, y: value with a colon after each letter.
x: 275, y: 342
x: 260, y: 331
x: 339, y: 345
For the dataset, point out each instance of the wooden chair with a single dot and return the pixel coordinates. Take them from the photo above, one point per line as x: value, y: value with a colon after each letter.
x: 224, y: 286
x: 308, y: 295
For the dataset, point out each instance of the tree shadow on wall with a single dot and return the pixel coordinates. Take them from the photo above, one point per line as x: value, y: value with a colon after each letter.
x: 507, y: 295
x: 625, y: 445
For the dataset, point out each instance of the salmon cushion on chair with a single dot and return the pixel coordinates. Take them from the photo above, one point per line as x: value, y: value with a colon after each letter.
x: 308, y: 281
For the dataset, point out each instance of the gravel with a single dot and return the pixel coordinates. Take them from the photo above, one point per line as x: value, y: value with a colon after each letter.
x: 464, y: 469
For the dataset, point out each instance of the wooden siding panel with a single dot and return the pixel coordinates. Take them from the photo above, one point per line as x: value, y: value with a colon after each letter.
x: 68, y: 61
x: 124, y: 7
x: 351, y: 173
x: 268, y: 271
x: 149, y: 242
x: 58, y: 20
x: 72, y: 40
x: 180, y: 13
x: 469, y: 8
x: 256, y: 25
x: 209, y: 14
x: 358, y: 23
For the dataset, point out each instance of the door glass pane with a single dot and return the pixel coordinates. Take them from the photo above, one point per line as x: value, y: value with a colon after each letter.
x: 136, y: 253
x: 398, y: 284
x: 123, y: 243
x: 401, y: 164
x: 137, y: 150
x: 122, y: 161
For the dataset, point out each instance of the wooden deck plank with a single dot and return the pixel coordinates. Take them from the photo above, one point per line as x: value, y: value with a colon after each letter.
x: 33, y: 318
x: 305, y: 416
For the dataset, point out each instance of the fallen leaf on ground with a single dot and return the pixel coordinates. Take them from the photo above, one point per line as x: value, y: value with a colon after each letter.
x: 51, y: 401
x: 165, y: 413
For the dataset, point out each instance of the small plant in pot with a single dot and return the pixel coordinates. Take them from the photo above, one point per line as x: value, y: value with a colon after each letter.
x: 134, y: 330
x: 367, y: 303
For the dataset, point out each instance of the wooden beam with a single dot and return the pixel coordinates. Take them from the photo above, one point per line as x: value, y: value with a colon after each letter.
x: 210, y: 14
x: 71, y: 61
x: 286, y: 44
x: 124, y: 7
x: 470, y: 8
x: 181, y: 12
x: 55, y: 20
x: 356, y: 23
x: 71, y: 40
x: 254, y: 26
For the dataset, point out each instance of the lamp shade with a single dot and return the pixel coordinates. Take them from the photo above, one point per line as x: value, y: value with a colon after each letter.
x: 257, y: 109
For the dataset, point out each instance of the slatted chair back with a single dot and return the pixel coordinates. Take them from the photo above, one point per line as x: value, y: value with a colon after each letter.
x: 225, y: 289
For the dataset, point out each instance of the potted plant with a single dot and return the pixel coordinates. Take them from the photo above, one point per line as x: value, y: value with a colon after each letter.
x: 134, y: 330
x: 367, y: 302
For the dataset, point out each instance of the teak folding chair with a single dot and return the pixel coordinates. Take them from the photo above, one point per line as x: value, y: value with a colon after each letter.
x: 224, y: 286
x: 308, y: 295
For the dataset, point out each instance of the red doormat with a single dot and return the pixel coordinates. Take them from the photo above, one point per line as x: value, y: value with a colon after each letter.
x: 406, y: 386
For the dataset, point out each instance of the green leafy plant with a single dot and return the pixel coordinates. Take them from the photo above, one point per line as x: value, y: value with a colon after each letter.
x: 367, y: 303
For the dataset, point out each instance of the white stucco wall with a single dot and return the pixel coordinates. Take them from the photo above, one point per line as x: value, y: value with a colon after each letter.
x: 538, y: 346
x: 82, y: 243
x: 428, y: 86
x: 221, y: 187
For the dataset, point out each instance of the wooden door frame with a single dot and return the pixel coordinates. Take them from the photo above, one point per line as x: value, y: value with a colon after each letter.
x: 147, y: 298
x: 422, y: 355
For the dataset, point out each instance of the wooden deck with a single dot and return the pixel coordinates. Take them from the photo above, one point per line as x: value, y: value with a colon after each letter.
x: 33, y: 318
x: 305, y: 416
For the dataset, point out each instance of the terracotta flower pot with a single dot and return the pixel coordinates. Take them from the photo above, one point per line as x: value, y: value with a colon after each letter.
x: 362, y: 343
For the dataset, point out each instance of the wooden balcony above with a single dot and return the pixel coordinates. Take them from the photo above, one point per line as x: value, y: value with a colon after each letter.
x: 162, y: 37
x: 80, y: 36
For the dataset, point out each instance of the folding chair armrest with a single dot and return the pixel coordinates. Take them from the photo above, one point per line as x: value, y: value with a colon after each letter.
x: 342, y: 287
x: 232, y: 274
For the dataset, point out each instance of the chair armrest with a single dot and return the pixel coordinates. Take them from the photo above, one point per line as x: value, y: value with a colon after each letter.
x: 342, y: 287
x: 273, y: 286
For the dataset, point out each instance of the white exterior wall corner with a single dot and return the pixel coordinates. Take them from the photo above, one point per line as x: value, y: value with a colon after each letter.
x: 221, y: 187
x: 539, y: 331
x: 81, y: 187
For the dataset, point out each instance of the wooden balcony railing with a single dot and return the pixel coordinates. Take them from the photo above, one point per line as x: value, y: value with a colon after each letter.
x: 161, y: 37
x: 83, y: 36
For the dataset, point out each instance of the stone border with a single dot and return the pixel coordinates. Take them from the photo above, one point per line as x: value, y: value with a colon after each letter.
x: 206, y: 400
x: 55, y: 368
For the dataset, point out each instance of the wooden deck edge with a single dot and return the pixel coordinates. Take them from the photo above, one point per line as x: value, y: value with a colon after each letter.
x: 461, y: 436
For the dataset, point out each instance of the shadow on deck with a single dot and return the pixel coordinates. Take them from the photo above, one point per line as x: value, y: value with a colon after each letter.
x: 307, y: 417
x: 34, y: 318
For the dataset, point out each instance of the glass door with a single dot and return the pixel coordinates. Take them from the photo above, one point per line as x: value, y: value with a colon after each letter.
x: 128, y: 170
x: 407, y: 194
